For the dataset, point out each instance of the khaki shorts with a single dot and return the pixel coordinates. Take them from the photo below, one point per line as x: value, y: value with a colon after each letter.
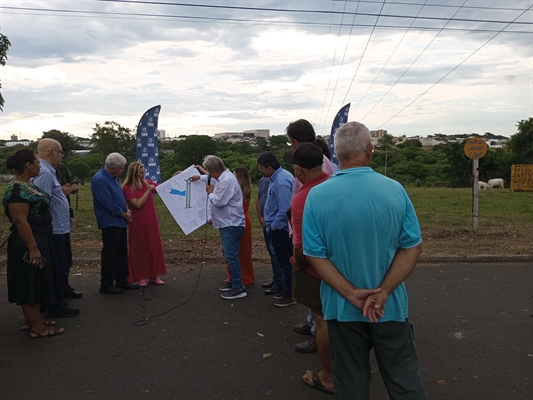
x: 306, y: 291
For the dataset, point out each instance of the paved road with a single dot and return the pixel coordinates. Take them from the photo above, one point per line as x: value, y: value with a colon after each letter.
x: 473, y: 327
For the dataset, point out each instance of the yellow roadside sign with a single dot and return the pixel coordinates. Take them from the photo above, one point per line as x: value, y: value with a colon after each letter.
x: 475, y: 148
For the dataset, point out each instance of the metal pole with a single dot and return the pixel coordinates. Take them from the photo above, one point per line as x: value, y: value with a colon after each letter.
x: 386, y: 153
x: 475, y: 191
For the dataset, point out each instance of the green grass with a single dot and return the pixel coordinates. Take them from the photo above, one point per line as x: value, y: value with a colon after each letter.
x: 451, y: 209
x: 438, y: 209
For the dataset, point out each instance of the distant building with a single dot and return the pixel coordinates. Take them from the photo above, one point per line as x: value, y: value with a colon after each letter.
x: 496, y: 143
x: 23, y: 142
x: 227, y: 135
x: 379, y: 133
x: 238, y: 136
x: 80, y: 152
x: 161, y: 134
x: 84, y: 142
x: 264, y: 133
x: 430, y: 142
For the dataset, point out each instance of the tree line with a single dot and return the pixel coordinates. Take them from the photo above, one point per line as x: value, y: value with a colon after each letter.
x: 409, y: 163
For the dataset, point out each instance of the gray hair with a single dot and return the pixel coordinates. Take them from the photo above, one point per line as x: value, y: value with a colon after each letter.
x: 351, y: 139
x: 115, y: 160
x: 214, y: 163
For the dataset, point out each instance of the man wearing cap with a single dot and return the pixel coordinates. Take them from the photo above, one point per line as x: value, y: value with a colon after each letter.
x: 307, y: 160
x: 301, y: 131
x: 277, y: 225
x: 361, y: 231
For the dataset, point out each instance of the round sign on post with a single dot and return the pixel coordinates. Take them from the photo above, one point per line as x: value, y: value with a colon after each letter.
x: 475, y: 148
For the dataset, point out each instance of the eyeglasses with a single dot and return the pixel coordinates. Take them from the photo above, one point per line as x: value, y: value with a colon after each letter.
x: 59, y: 151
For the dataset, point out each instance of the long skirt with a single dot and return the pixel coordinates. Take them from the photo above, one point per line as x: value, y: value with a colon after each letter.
x: 26, y: 283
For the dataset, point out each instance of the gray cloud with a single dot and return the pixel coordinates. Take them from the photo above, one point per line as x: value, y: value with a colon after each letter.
x: 214, y: 66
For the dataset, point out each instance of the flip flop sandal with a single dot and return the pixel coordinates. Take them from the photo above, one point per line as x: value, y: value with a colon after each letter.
x: 46, y: 332
x: 316, y: 383
x: 46, y: 322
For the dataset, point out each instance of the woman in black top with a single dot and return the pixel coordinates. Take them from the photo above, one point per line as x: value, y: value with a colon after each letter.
x: 32, y: 277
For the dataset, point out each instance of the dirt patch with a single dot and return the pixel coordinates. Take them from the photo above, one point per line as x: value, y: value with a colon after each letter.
x: 460, y: 242
x: 464, y: 242
x: 439, y: 243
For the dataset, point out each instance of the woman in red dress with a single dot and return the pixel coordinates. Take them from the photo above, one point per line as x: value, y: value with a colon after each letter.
x: 145, y: 249
x: 245, y: 250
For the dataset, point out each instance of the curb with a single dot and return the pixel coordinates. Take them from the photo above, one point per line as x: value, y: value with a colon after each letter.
x: 476, y: 259
x: 423, y: 259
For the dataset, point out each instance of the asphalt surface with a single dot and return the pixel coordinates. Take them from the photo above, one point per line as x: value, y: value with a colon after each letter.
x: 473, y: 328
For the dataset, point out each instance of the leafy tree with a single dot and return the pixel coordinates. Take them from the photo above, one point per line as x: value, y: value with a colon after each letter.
x: 278, y: 143
x: 386, y: 142
x: 262, y: 144
x: 193, y: 150
x: 94, y: 161
x: 242, y: 148
x: 410, y: 171
x: 111, y: 138
x: 412, y: 153
x: 4, y: 47
x: 521, y: 143
x: 410, y: 143
x: 495, y: 164
x: 79, y: 168
x: 459, y: 166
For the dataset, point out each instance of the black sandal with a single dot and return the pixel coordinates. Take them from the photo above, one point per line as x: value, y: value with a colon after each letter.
x: 316, y: 383
x: 46, y: 322
x: 46, y: 332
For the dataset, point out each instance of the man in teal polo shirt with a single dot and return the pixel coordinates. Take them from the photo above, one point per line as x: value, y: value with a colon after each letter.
x: 360, y: 231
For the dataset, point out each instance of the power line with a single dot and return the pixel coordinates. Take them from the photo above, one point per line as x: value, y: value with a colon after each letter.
x: 329, y: 79
x: 291, y: 10
x: 387, y: 62
x: 409, y: 67
x: 440, y: 5
x: 361, y: 59
x: 288, y: 10
x: 119, y: 15
x: 453, y: 69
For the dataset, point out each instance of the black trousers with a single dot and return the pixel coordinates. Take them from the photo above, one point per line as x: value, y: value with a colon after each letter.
x: 63, y: 251
x: 114, y: 256
x: 395, y: 351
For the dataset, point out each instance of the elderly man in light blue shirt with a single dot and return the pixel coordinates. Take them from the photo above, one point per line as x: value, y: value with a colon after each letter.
x: 227, y: 215
x: 277, y: 205
x: 50, y: 153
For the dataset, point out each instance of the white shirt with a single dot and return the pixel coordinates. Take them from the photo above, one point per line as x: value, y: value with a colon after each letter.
x: 226, y: 201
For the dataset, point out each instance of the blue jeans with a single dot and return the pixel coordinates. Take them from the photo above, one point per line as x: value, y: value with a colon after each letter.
x: 231, y: 242
x: 277, y: 273
x: 282, y: 244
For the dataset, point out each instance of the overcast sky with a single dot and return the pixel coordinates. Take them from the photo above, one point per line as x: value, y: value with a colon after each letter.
x: 413, y: 67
